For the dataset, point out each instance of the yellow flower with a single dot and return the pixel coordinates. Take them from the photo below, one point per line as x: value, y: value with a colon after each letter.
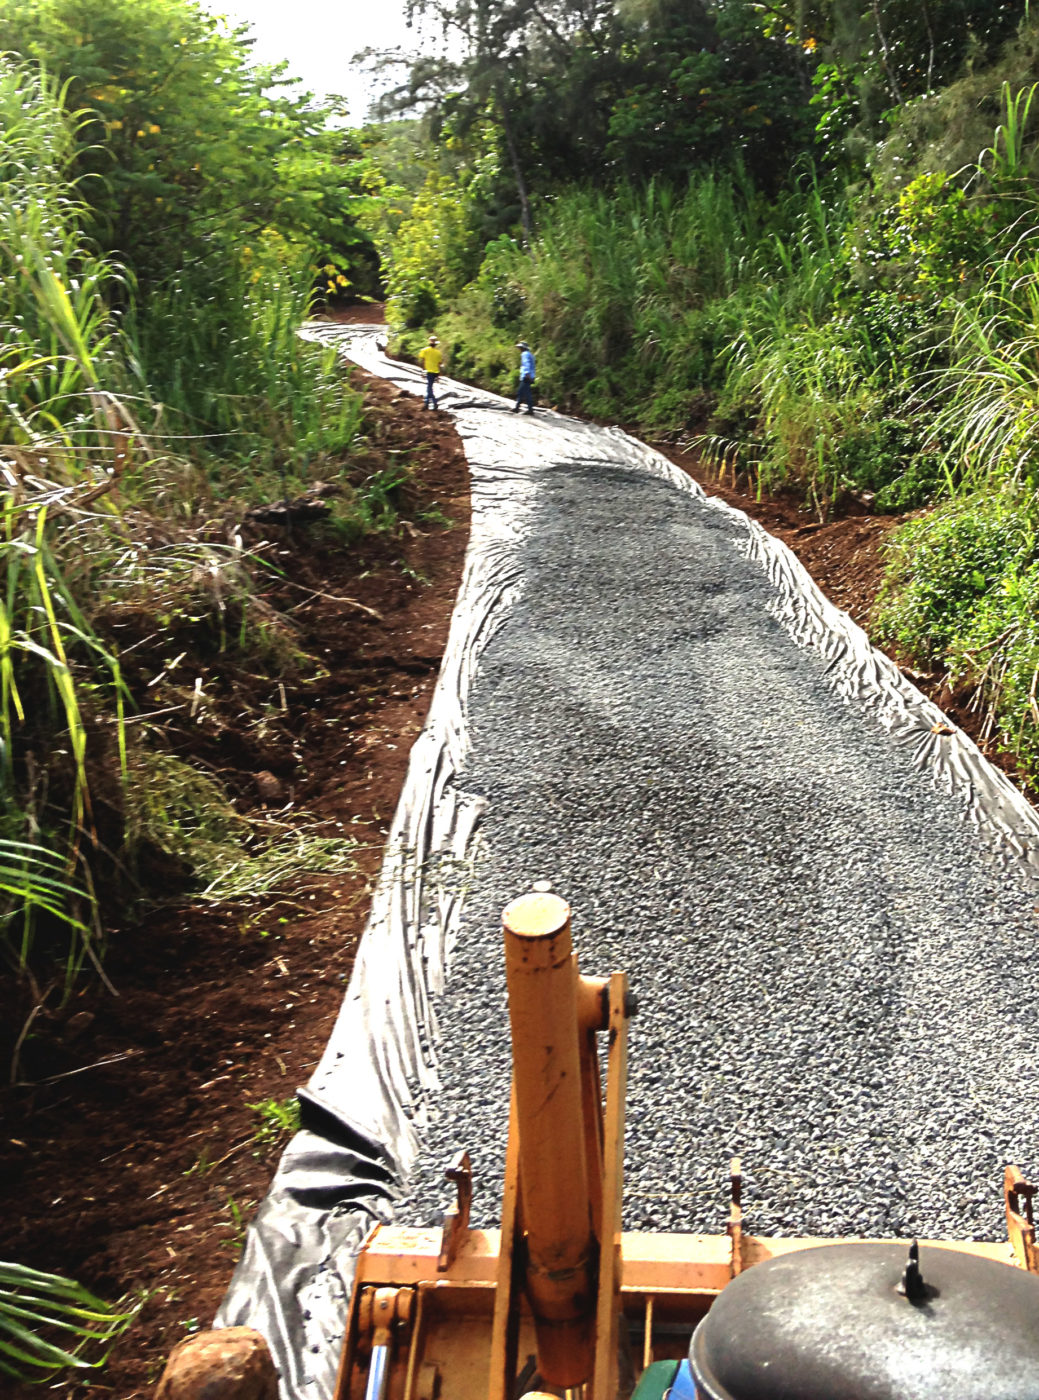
x: 154, y: 129
x: 115, y: 126
x: 140, y: 131
x: 810, y: 45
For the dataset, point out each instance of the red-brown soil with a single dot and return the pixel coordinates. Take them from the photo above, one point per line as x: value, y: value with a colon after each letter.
x: 129, y: 1152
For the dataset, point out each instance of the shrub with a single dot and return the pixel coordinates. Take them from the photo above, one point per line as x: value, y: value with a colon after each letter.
x: 948, y: 564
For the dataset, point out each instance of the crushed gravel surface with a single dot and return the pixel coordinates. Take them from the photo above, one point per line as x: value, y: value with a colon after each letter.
x: 833, y: 978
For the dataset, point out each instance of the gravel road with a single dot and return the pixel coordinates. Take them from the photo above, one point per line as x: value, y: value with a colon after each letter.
x: 833, y: 978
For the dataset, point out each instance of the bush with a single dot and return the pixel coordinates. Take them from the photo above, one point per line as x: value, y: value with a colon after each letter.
x: 963, y: 592
x: 947, y: 565
x: 886, y: 456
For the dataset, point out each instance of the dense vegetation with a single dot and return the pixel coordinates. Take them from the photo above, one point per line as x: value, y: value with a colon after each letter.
x: 801, y: 237
x: 167, y: 212
x: 164, y: 218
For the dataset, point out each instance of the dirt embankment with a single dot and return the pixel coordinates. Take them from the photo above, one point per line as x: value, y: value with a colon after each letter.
x: 130, y: 1155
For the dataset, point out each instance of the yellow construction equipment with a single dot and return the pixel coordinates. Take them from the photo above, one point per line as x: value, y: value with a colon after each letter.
x: 560, y: 1302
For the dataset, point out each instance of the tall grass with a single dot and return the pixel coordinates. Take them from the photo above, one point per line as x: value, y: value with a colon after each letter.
x: 101, y: 409
x: 627, y: 290
x: 239, y: 390
x: 985, y: 399
x: 57, y: 358
x: 57, y: 454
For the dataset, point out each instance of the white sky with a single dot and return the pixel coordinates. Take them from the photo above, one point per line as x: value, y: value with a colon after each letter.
x: 320, y: 37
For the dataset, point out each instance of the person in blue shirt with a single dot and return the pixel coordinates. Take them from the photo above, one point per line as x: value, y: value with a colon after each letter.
x: 525, y: 392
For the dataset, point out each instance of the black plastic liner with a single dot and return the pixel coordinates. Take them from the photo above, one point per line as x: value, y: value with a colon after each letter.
x: 363, y: 1110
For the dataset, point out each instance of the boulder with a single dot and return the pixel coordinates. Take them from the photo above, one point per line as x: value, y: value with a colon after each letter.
x: 232, y: 1363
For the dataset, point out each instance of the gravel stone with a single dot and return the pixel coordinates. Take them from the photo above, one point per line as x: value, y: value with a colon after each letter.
x: 831, y: 973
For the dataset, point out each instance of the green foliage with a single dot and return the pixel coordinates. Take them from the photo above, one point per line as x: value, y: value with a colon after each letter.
x: 279, y: 1119
x: 1007, y: 157
x: 435, y: 252
x: 881, y: 340
x: 238, y: 1225
x: 942, y: 233
x: 985, y: 397
x: 885, y: 456
x: 944, y: 564
x: 58, y: 349
x: 51, y: 660
x: 99, y: 516
x: 715, y: 89
x: 268, y: 403
x: 962, y: 592
x: 50, y: 1324
x: 184, y: 147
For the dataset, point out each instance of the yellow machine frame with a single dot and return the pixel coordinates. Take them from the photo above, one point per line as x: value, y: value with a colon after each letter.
x: 538, y: 1305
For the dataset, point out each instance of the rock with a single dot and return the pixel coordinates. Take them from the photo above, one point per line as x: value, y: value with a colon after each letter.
x: 231, y: 1363
x: 268, y: 787
x: 77, y: 1024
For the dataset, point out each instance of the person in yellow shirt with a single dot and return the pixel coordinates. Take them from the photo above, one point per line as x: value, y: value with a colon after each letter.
x: 430, y: 358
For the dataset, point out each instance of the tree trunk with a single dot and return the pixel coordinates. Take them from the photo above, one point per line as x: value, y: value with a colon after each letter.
x: 517, y: 170
x: 885, y: 52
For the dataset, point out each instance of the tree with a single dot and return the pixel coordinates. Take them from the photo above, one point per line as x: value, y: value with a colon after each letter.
x: 713, y: 86
x: 587, y: 89
x: 876, y: 55
x: 519, y: 58
x: 183, y: 145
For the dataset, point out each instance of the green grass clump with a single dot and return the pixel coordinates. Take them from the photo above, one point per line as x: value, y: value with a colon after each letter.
x: 181, y: 811
x: 278, y: 1119
x: 251, y: 874
x: 49, y: 1324
x: 176, y: 808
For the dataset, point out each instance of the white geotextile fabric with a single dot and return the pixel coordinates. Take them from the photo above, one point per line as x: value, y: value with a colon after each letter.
x: 363, y: 1108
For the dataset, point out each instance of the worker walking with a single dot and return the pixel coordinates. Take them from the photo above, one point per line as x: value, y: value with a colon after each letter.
x: 430, y: 358
x: 525, y: 392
